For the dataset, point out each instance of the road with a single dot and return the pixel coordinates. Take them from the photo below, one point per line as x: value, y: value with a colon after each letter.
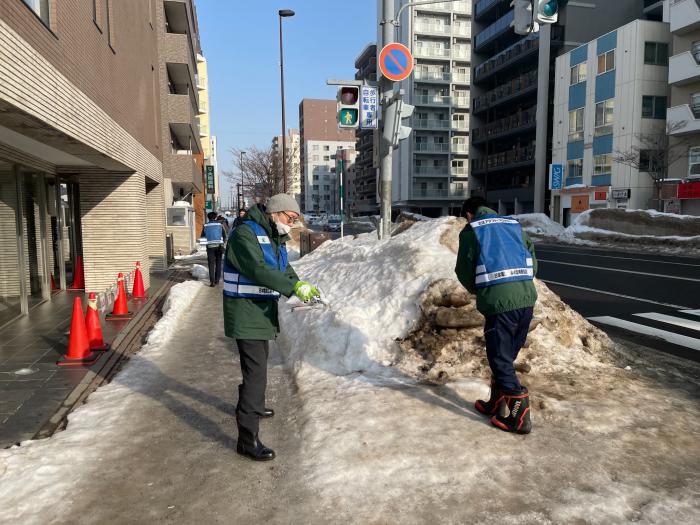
x: 653, y: 300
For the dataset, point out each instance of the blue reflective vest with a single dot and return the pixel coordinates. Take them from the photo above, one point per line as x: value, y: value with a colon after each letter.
x: 214, y: 233
x: 238, y: 285
x: 504, y: 257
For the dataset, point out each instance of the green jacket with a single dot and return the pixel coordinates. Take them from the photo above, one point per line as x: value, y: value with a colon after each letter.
x: 497, y: 298
x: 255, y: 318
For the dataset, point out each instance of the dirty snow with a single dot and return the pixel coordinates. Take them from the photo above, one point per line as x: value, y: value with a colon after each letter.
x: 37, y: 477
x: 199, y: 272
x: 389, y: 428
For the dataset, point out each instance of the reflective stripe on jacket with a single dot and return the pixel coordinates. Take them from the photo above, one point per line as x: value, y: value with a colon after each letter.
x: 238, y: 285
x: 214, y: 233
x: 503, y: 256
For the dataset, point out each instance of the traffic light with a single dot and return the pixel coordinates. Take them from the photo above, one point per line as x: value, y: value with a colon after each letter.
x: 547, y: 11
x: 394, y: 131
x: 348, y: 106
x: 523, y: 22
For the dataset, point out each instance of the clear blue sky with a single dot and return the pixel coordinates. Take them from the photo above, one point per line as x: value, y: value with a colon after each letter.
x: 240, y: 39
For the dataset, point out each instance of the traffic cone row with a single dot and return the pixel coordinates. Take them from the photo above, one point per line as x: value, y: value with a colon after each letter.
x: 138, y: 291
x: 78, y: 274
x: 120, y: 312
x: 94, y: 329
x: 85, y: 340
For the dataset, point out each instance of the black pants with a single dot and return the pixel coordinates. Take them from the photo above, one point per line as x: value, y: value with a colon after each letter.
x: 214, y: 256
x: 505, y: 335
x: 251, y: 394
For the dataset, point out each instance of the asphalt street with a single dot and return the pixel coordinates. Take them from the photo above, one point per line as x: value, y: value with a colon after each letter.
x: 648, y: 299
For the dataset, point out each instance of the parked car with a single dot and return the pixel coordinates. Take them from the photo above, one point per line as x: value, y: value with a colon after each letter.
x: 334, y: 224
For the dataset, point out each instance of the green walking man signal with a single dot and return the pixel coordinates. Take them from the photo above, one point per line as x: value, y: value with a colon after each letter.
x: 348, y: 102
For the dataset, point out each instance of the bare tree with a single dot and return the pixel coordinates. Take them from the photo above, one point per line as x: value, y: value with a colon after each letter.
x: 654, y: 153
x: 259, y: 171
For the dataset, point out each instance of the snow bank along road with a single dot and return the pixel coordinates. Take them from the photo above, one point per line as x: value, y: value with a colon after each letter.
x: 649, y: 299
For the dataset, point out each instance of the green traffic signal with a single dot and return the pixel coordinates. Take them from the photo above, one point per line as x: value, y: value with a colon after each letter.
x: 348, y: 117
x: 550, y: 8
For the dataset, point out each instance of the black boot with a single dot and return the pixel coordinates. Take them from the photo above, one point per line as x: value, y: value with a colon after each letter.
x: 514, y: 414
x: 268, y: 412
x: 490, y: 407
x: 251, y: 447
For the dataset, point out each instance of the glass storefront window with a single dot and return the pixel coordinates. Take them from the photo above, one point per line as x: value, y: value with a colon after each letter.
x: 10, y: 291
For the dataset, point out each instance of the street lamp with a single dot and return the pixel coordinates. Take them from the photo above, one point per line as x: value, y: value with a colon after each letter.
x: 283, y: 13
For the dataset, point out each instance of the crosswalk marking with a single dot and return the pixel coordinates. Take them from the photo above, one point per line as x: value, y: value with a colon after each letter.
x: 676, y: 339
x: 678, y: 277
x: 669, y: 319
x: 691, y: 312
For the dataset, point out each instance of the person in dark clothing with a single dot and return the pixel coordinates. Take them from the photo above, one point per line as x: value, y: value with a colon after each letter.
x: 215, y: 237
x: 256, y: 274
x: 496, y: 262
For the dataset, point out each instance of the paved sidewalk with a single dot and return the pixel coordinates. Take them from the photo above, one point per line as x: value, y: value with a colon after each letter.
x: 169, y: 454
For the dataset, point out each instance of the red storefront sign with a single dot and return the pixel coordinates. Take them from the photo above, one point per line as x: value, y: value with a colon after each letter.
x: 689, y: 190
x: 601, y: 195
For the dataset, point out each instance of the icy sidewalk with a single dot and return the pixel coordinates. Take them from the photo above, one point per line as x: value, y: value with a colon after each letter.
x: 158, y: 443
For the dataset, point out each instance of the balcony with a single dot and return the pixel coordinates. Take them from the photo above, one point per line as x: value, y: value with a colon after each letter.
x: 460, y: 125
x: 520, y: 121
x: 515, y: 158
x: 460, y: 102
x: 459, y: 172
x: 436, y: 124
x: 459, y: 148
x: 437, y: 6
x: 431, y: 171
x: 431, y: 28
x: 517, y: 87
x: 508, y: 57
x: 432, y: 100
x: 494, y: 31
x: 431, y: 76
x: 461, y: 78
x: 482, y: 8
x: 431, y: 147
x: 432, y: 52
x: 452, y: 193
x: 683, y: 69
x: 182, y: 169
x: 462, y: 52
x: 183, y: 121
x: 462, y: 7
x: 462, y: 29
x: 685, y: 16
x: 681, y: 120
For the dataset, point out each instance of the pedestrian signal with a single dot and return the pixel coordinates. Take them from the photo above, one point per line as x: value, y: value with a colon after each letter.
x: 348, y: 106
x: 547, y: 11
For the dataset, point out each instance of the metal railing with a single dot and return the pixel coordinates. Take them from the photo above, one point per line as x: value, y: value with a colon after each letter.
x: 461, y: 78
x: 462, y: 29
x: 507, y: 90
x: 421, y: 193
x: 508, y: 55
x: 432, y: 100
x: 459, y: 148
x: 427, y: 27
x: 460, y: 124
x: 430, y: 51
x: 458, y: 172
x: 505, y: 158
x: 499, y: 27
x: 431, y: 170
x: 431, y: 124
x: 431, y: 147
x: 519, y: 120
x: 436, y: 76
x: 460, y: 102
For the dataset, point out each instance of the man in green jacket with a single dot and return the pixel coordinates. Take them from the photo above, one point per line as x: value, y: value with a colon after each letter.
x: 496, y: 262
x: 256, y: 273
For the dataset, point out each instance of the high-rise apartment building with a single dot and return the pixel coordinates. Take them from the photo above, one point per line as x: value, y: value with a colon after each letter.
x: 682, y: 193
x: 362, y: 189
x: 293, y: 144
x: 431, y: 168
x: 320, y: 138
x: 513, y: 78
x: 204, y: 121
x: 80, y: 148
x: 178, y: 40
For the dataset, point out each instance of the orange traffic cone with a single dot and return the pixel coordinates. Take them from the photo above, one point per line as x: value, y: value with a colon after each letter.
x: 94, y: 329
x: 138, y: 291
x: 78, y: 346
x: 121, y: 311
x: 78, y: 274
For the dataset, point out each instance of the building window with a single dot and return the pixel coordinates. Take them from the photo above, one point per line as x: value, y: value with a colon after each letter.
x: 602, y: 164
x: 40, y: 8
x: 578, y: 73
x: 694, y: 161
x: 695, y: 104
x: 656, y: 53
x: 315, y: 158
x: 575, y: 169
x: 326, y: 157
x: 326, y: 148
x: 315, y: 147
x: 576, y: 125
x: 695, y: 50
x: 654, y: 107
x: 604, y: 117
x: 646, y: 160
x: 606, y: 62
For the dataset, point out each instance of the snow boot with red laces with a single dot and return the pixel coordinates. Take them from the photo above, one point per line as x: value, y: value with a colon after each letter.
x: 514, y: 413
x: 489, y: 408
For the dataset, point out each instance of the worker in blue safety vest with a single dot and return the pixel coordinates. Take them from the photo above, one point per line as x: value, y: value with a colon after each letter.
x: 496, y: 262
x: 214, y: 235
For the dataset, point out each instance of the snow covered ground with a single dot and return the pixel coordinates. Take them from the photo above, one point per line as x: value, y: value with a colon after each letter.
x: 390, y: 432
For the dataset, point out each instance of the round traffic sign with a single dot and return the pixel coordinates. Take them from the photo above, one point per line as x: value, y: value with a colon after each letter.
x: 395, y: 62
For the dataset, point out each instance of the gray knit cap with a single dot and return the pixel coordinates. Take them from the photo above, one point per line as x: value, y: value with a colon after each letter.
x: 282, y: 202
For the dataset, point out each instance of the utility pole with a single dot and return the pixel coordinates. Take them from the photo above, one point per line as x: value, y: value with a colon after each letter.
x: 386, y: 151
x: 541, y: 116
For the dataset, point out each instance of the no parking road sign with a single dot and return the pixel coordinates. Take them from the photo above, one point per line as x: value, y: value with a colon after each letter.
x: 395, y: 62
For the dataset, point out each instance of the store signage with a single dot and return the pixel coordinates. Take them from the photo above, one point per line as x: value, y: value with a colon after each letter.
x: 211, y: 188
x: 369, y: 106
x: 601, y: 196
x: 580, y: 203
x: 620, y: 195
x: 556, y: 176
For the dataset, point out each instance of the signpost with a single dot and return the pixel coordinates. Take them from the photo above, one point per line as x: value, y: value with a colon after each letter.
x: 395, y: 62
x: 369, y: 107
x: 211, y: 187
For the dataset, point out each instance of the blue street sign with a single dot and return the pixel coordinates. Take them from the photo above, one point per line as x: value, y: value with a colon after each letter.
x: 556, y: 176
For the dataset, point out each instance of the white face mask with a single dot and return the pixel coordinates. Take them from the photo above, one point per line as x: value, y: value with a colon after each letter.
x: 283, y: 229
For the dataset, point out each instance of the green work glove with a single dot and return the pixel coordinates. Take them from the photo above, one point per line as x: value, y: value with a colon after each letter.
x: 306, y: 291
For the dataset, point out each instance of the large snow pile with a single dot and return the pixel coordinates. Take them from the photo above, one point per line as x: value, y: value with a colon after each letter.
x: 388, y: 374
